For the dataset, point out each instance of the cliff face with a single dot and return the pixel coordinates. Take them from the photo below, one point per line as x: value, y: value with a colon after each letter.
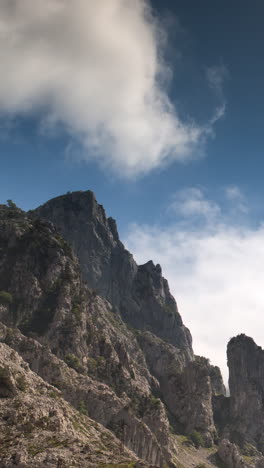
x: 140, y: 294
x: 246, y: 381
x: 43, y: 295
x: 141, y: 297
x: 38, y: 270
x: 104, y: 331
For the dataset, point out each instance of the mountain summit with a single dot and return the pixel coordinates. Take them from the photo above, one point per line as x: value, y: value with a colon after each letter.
x: 102, y: 342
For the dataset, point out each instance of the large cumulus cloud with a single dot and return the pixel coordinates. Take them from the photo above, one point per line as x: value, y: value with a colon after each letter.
x: 95, y: 68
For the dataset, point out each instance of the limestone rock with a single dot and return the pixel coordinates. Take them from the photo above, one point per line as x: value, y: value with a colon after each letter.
x: 96, y: 399
x: 246, y: 381
x: 231, y: 457
x: 51, y: 304
x: 140, y: 294
x: 38, y: 428
x: 115, y: 347
x: 186, y: 387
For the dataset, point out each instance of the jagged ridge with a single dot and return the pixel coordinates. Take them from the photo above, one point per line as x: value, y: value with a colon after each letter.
x: 123, y: 333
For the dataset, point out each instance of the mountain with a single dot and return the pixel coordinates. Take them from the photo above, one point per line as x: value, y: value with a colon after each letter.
x: 139, y: 293
x: 103, y: 346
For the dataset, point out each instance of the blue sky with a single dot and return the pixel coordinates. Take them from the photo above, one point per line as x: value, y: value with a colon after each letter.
x: 34, y: 167
x: 158, y: 109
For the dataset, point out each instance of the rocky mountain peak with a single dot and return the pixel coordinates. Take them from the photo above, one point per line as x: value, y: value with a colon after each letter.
x: 103, y: 330
x: 138, y: 293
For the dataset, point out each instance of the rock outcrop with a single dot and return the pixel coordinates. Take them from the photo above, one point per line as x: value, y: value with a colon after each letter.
x: 187, y: 387
x: 246, y: 381
x: 141, y: 296
x: 44, y: 296
x: 230, y: 455
x: 38, y: 428
x: 139, y: 293
x: 101, y: 329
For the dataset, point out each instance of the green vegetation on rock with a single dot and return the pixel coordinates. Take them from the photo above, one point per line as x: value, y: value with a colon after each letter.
x: 5, y: 298
x: 73, y: 362
x: 197, y: 439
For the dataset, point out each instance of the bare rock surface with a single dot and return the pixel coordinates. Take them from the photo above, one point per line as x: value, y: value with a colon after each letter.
x: 50, y: 303
x: 246, y: 381
x: 139, y: 293
x: 105, y: 332
x: 148, y: 436
x: 187, y: 387
x: 231, y: 456
x: 39, y: 429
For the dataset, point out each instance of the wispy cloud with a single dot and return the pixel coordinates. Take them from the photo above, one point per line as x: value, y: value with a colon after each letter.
x: 97, y: 69
x: 216, y: 77
x: 235, y: 196
x: 215, y: 271
x: 191, y: 202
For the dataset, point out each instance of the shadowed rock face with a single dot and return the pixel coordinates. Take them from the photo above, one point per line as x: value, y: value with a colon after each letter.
x: 139, y: 293
x: 246, y: 381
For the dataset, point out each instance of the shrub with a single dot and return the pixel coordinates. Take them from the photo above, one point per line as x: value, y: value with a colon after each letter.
x: 82, y: 408
x: 4, y: 374
x: 73, y: 361
x: 154, y: 402
x: 5, y: 298
x: 92, y: 364
x: 197, y: 439
x: 11, y: 204
x: 76, y: 310
x: 21, y: 383
x: 9, y: 336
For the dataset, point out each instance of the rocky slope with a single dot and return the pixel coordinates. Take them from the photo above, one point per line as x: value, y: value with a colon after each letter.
x: 43, y: 295
x: 39, y: 429
x: 108, y: 335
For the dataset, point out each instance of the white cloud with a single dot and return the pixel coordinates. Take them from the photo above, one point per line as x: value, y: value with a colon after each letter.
x: 234, y: 193
x: 192, y: 202
x: 216, y: 76
x: 235, y: 196
x: 215, y: 271
x: 96, y: 68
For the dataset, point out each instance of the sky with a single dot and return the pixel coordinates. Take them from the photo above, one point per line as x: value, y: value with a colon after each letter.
x: 157, y: 106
